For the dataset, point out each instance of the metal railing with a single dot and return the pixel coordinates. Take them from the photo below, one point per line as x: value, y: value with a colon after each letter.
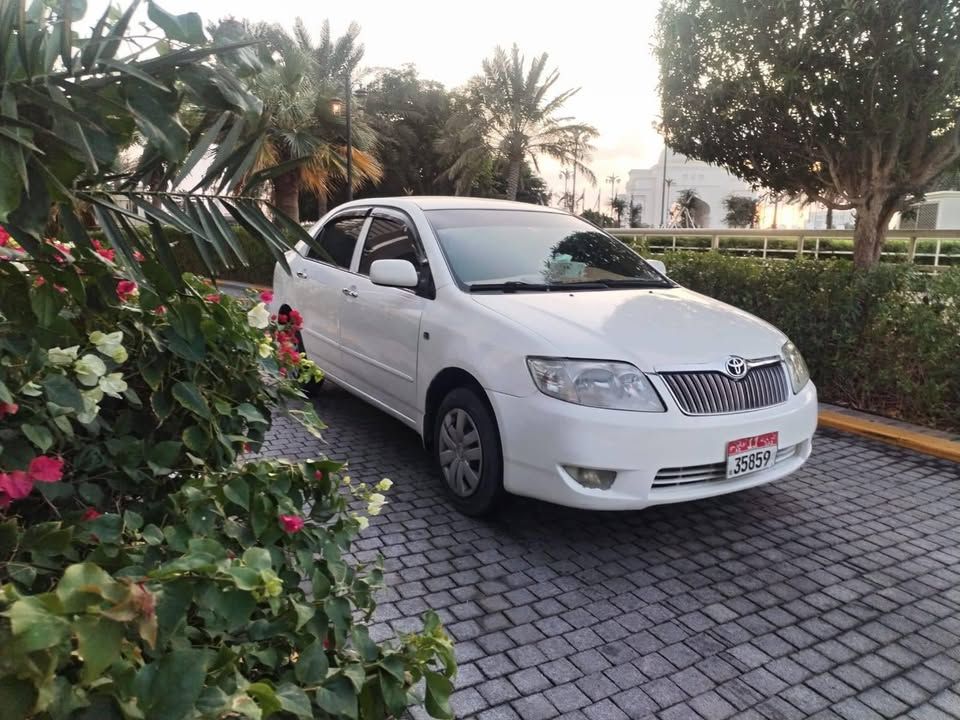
x: 931, y: 248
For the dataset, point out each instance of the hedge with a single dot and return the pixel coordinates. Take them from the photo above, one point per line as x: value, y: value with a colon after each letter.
x: 885, y: 341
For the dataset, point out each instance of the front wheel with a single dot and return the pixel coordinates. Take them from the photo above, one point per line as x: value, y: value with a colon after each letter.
x: 466, y: 446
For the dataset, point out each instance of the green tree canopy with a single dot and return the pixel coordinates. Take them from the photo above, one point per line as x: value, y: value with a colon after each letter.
x: 851, y: 104
x: 741, y: 211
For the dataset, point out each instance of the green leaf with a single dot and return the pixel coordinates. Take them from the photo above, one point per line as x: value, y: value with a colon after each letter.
x: 151, y: 368
x: 196, y: 439
x: 62, y: 392
x: 294, y: 700
x: 249, y: 413
x: 152, y: 535
x: 162, y: 457
x: 99, y: 644
x: 17, y: 697
x: 132, y: 520
x: 257, y: 557
x: 173, y: 684
x: 162, y: 405
x: 35, y: 623
x: 238, y: 492
x: 261, y: 514
x: 266, y: 698
x: 187, y: 28
x: 245, y: 578
x: 394, y: 695
x: 188, y: 395
x: 312, y: 665
x: 439, y: 689
x: 90, y: 492
x: 38, y: 435
x: 45, y: 303
x: 338, y: 698
x: 82, y: 582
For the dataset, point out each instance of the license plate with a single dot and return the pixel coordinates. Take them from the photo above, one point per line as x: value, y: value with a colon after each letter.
x: 752, y: 454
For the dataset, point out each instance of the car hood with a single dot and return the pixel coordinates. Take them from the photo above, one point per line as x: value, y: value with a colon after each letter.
x: 654, y: 329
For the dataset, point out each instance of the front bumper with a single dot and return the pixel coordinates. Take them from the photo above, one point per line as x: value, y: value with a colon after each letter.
x: 540, y: 435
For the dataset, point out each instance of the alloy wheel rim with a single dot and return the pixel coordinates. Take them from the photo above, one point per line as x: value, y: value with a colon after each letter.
x: 461, y: 454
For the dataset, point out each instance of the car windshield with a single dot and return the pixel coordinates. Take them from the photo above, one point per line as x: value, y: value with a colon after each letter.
x: 518, y: 250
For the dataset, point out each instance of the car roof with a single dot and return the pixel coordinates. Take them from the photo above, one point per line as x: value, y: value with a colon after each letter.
x: 441, y: 202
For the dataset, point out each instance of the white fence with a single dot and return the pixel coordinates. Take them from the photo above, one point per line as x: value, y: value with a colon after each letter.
x: 931, y: 248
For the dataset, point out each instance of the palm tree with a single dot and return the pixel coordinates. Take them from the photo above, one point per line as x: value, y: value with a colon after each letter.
x: 508, y: 111
x: 686, y: 209
x: 618, y: 205
x: 306, y: 147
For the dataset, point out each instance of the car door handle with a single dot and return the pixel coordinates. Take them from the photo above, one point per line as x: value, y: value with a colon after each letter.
x: 301, y: 274
x: 350, y: 292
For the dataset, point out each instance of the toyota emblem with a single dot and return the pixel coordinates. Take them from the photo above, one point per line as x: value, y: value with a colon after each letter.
x: 736, y: 367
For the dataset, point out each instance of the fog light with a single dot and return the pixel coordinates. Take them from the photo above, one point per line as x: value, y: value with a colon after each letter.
x: 590, y: 478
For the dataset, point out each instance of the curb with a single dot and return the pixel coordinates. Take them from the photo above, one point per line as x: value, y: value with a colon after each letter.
x: 892, y: 435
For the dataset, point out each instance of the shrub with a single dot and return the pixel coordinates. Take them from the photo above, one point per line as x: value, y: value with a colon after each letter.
x: 145, y: 572
x: 884, y: 341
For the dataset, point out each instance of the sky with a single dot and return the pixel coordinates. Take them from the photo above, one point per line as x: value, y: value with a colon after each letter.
x: 605, y: 50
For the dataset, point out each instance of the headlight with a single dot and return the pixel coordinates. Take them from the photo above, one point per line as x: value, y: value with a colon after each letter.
x: 595, y: 383
x: 796, y: 367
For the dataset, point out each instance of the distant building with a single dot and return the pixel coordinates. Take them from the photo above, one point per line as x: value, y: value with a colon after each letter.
x: 938, y: 210
x: 712, y: 184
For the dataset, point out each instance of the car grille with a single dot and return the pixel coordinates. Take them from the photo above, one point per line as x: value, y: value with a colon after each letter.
x: 712, y: 472
x: 713, y: 393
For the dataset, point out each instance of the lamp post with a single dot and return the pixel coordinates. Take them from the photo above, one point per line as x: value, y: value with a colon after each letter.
x: 347, y: 106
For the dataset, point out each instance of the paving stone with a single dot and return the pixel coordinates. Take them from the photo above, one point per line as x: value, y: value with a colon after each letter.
x: 834, y: 593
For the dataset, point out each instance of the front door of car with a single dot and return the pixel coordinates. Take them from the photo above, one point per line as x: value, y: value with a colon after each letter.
x: 318, y: 281
x: 380, y: 326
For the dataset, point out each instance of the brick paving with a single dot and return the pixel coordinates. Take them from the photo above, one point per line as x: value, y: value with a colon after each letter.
x: 832, y: 594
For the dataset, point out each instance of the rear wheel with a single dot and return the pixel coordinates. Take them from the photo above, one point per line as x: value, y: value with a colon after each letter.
x: 466, y: 446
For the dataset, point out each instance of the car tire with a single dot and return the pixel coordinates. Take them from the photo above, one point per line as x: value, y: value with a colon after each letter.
x: 467, y: 452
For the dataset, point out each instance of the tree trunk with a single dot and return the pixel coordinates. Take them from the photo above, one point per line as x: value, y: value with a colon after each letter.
x: 513, y: 179
x: 829, y: 218
x: 870, y: 230
x: 286, y: 194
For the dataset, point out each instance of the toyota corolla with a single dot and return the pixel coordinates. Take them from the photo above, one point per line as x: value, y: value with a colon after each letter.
x: 538, y: 355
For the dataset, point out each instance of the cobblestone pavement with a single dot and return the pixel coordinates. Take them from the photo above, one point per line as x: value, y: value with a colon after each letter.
x: 832, y: 594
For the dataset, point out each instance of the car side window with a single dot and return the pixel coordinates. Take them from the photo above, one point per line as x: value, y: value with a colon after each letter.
x: 337, y: 240
x: 388, y: 239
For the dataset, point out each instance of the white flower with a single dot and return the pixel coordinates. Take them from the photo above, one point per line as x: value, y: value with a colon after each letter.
x: 90, y: 406
x: 363, y: 522
x: 113, y: 384
x: 20, y: 266
x: 375, y: 504
x: 265, y: 349
x: 384, y: 485
x: 259, y: 316
x: 31, y: 389
x: 110, y: 345
x: 89, y: 369
x: 62, y: 356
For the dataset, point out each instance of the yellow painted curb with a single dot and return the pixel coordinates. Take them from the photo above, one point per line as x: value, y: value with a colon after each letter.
x: 938, y: 447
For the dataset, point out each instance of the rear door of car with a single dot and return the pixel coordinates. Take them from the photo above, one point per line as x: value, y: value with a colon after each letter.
x: 319, y: 281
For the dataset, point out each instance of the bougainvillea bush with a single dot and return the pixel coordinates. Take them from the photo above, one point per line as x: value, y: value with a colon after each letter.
x: 147, y: 572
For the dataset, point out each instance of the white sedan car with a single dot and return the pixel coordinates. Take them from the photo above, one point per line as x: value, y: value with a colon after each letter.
x: 537, y: 355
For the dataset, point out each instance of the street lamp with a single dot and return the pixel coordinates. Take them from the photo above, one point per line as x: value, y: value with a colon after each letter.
x: 335, y: 106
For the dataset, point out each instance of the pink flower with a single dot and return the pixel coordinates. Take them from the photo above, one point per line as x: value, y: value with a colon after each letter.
x: 46, y: 469
x: 266, y: 296
x: 39, y: 281
x: 282, y: 319
x: 103, y: 251
x: 4, y: 237
x: 212, y: 298
x: 15, y: 485
x: 126, y: 289
x: 138, y: 256
x: 318, y: 474
x: 8, y: 409
x: 160, y: 310
x: 291, y: 523
x: 90, y: 514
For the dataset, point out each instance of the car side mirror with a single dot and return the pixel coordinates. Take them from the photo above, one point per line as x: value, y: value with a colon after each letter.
x: 394, y: 273
x: 658, y: 266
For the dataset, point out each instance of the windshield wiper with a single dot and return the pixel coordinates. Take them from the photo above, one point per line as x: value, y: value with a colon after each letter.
x: 637, y: 282
x: 509, y: 286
